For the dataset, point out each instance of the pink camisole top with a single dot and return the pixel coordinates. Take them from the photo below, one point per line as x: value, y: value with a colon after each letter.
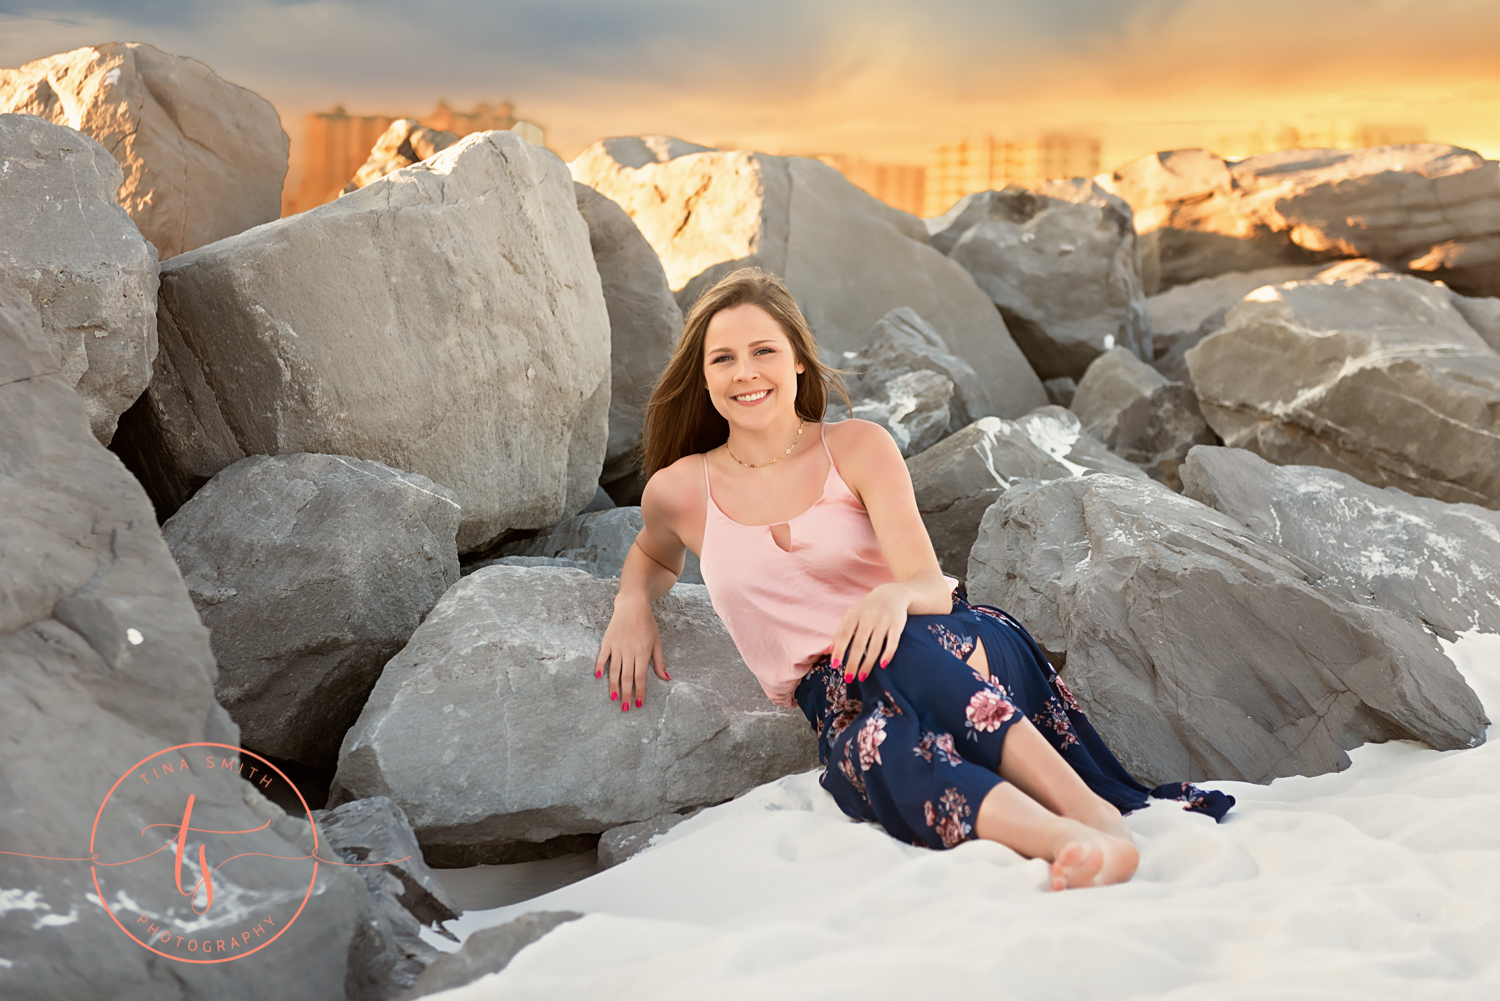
x: 781, y: 608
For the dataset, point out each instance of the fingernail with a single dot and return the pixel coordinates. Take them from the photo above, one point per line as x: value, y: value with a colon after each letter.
x: 883, y: 663
x: 664, y: 674
x: 848, y: 679
x: 625, y: 706
x: 637, y: 703
x: 598, y: 674
x: 835, y: 662
x: 614, y: 696
x: 862, y: 677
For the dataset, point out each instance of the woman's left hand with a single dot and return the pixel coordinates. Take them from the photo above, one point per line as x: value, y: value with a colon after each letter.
x: 870, y: 631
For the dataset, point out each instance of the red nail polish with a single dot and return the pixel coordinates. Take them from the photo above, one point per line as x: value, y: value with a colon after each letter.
x: 886, y: 662
x: 637, y: 703
x: 835, y: 663
x: 664, y: 674
x: 598, y: 674
x: 614, y: 696
x: 848, y: 679
x: 625, y: 706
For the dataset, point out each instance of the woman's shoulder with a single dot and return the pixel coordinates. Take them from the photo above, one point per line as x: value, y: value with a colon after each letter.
x: 859, y: 440
x: 676, y: 487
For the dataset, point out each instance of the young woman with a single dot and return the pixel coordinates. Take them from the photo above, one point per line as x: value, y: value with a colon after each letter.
x: 940, y: 720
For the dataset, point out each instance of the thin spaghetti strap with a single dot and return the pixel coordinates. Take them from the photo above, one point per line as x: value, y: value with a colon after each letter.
x: 823, y: 435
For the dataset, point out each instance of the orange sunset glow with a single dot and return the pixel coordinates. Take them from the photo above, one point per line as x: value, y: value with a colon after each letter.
x: 864, y: 85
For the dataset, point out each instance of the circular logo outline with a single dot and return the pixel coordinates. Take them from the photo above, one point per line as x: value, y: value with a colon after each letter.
x: 94, y: 868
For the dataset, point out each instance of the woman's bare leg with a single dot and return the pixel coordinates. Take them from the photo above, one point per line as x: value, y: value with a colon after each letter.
x: 1080, y: 856
x: 1041, y: 773
x: 1036, y: 768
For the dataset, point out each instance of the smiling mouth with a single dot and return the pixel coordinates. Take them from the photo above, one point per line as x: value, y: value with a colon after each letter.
x: 750, y: 397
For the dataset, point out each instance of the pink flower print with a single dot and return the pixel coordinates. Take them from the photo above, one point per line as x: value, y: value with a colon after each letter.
x: 1065, y: 695
x: 870, y: 737
x: 988, y: 711
x: 951, y: 830
x: 931, y: 814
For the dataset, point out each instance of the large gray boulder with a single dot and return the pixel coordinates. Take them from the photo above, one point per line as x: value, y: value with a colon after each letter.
x: 1185, y: 314
x: 488, y: 950
x: 958, y: 479
x: 1426, y: 208
x: 915, y: 407
x: 1061, y: 264
x: 901, y: 342
x: 848, y: 258
x: 1378, y: 375
x: 311, y: 571
x: 446, y: 319
x: 597, y: 542
x: 1200, y: 650
x: 103, y: 663
x: 1433, y: 562
x: 375, y: 830
x: 645, y: 324
x: 620, y: 844
x: 1140, y: 415
x: 81, y: 262
x: 203, y: 159
x: 490, y: 727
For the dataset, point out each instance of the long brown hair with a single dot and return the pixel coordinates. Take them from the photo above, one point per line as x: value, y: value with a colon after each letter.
x: 680, y: 418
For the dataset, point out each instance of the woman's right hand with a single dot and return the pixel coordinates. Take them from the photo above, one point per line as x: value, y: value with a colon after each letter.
x: 631, y: 644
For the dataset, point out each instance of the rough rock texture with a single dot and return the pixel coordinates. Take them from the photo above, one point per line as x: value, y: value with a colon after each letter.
x: 848, y: 258
x: 1062, y: 265
x: 1140, y: 415
x: 446, y: 320
x: 376, y: 830
x: 619, y: 844
x: 597, y: 542
x: 1378, y: 375
x: 311, y: 571
x: 1430, y: 209
x: 1433, y: 562
x: 80, y: 260
x: 490, y: 727
x: 404, y: 143
x: 488, y: 950
x: 1483, y: 314
x: 902, y: 342
x: 1200, y: 650
x: 913, y: 407
x: 202, y: 158
x: 644, y: 324
x: 960, y: 477
x: 103, y: 662
x: 1185, y: 314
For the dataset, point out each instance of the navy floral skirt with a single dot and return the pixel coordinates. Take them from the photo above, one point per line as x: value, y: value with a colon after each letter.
x: 916, y: 745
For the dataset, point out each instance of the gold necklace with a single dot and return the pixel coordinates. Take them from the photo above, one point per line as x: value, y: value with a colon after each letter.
x: 758, y: 465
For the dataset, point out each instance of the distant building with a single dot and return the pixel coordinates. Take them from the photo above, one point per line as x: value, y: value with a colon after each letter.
x: 335, y: 144
x: 1269, y: 137
x: 988, y: 163
x: 899, y: 186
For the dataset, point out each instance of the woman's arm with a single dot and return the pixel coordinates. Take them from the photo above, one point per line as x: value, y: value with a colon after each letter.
x: 871, y: 465
x: 632, y: 641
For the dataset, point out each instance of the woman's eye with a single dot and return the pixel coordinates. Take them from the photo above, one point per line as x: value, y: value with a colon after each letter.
x: 721, y: 358
x: 765, y: 351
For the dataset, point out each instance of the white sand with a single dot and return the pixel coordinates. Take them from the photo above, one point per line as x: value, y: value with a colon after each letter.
x: 1382, y: 881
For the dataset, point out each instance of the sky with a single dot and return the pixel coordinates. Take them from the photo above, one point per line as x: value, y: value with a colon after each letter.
x: 887, y: 80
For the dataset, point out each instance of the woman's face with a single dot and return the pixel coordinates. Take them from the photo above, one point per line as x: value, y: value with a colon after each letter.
x: 750, y: 367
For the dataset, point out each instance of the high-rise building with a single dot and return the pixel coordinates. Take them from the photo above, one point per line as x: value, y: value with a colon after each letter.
x: 899, y: 186
x: 988, y: 163
x: 1269, y: 137
x: 335, y: 144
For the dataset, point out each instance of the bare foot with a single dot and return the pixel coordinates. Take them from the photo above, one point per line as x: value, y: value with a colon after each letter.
x: 1094, y: 860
